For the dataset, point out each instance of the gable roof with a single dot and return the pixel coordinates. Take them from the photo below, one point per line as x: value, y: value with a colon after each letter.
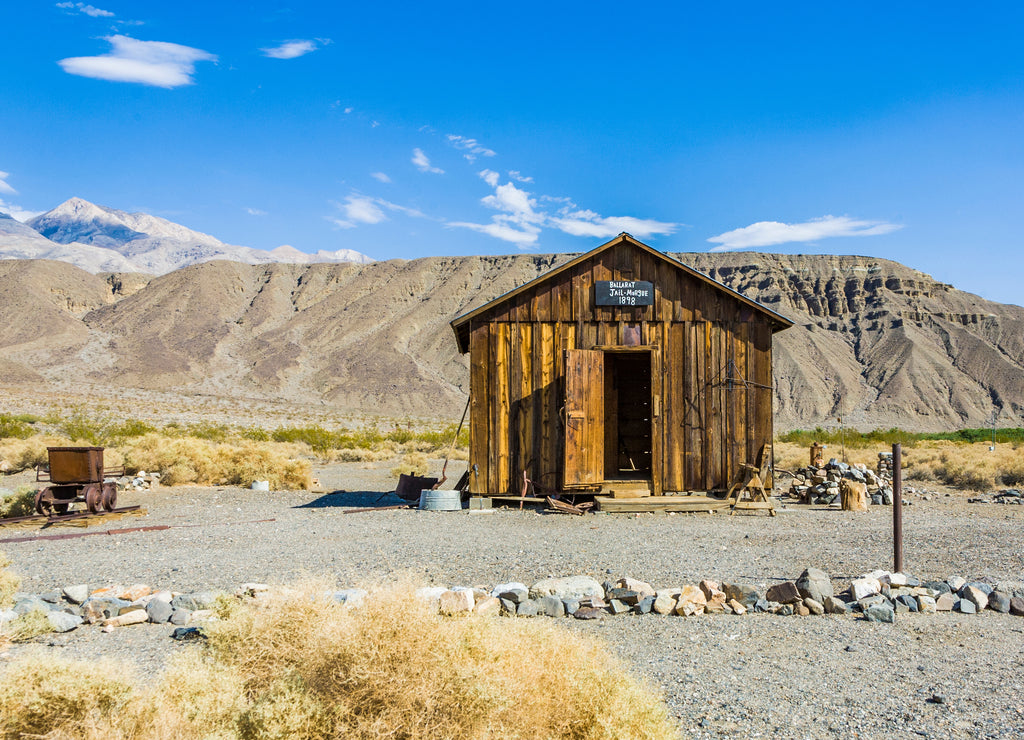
x: 460, y: 325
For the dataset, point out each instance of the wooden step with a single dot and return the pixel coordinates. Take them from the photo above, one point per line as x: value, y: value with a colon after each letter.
x: 659, y: 503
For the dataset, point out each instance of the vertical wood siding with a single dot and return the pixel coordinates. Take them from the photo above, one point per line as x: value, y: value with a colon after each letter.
x: 711, y: 375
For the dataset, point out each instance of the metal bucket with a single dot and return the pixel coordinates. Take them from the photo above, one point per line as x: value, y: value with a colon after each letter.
x: 441, y: 500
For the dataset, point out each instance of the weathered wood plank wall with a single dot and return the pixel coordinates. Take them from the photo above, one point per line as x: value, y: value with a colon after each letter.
x: 711, y: 374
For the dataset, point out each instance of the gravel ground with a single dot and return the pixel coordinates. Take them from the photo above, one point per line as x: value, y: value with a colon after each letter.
x: 753, y: 676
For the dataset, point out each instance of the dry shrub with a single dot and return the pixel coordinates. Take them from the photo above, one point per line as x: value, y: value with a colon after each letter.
x: 184, y: 460
x: 354, y: 454
x: 20, y: 503
x: 24, y: 454
x: 394, y: 668
x: 305, y: 667
x: 29, y: 626
x: 414, y: 463
x: 9, y: 583
x: 55, y: 698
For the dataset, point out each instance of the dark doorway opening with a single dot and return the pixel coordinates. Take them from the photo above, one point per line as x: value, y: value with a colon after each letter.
x: 627, y: 415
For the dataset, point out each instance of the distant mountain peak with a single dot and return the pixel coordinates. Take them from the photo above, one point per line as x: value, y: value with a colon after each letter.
x: 98, y: 238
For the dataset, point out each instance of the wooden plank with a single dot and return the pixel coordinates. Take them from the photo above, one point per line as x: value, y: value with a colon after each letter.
x: 479, y: 417
x: 657, y: 423
x: 660, y: 503
x: 548, y: 476
x: 675, y: 405
x: 584, y: 418
x: 695, y: 397
x: 603, y: 270
x: 502, y: 475
x: 524, y: 400
x: 542, y: 303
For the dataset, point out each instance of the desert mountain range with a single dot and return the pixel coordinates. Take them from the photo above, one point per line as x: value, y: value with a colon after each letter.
x: 880, y: 343
x: 100, y: 239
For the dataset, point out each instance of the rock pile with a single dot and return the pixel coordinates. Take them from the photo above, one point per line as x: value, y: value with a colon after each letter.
x: 820, y: 485
x: 1005, y: 496
x: 878, y: 596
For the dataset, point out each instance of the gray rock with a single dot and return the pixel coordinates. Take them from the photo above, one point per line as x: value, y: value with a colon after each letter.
x: 52, y: 597
x: 956, y: 583
x: 908, y: 601
x: 880, y: 613
x: 784, y: 610
x: 62, y: 621
x: 7, y: 615
x: 159, y: 611
x: 76, y: 594
x: 815, y: 584
x: 999, y: 602
x: 570, y: 587
x: 528, y: 608
x: 975, y: 595
x: 188, y: 634
x: 986, y: 588
x: 571, y: 605
x: 900, y: 607
x: 185, y: 601
x: 180, y: 616
x: 31, y: 604
x: 206, y: 599
x: 966, y: 606
x: 945, y: 602
x: 508, y: 607
x: 515, y: 595
x: 615, y: 606
x: 551, y: 606
x: 886, y: 494
x: 939, y: 586
x: 590, y: 612
x: 645, y: 605
x: 625, y: 595
x: 1017, y: 606
x: 746, y: 595
x: 764, y: 606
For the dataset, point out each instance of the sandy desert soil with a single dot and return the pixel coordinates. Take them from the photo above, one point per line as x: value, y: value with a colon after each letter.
x: 722, y: 676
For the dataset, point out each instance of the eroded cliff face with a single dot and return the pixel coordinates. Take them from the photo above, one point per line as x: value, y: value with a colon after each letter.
x: 877, y: 342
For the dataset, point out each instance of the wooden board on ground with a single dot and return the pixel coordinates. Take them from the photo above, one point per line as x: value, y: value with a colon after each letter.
x: 659, y: 503
x: 81, y: 519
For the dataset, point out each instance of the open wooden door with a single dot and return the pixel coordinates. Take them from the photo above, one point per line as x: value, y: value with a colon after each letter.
x: 584, y: 418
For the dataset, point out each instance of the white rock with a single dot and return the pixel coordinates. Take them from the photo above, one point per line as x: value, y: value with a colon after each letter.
x: 430, y: 594
x: 352, y: 598
x: 456, y: 602
x: 898, y: 579
x: 864, y: 587
x: 502, y: 588
x: 569, y: 587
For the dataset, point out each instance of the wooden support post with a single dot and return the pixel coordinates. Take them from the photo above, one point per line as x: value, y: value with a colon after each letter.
x: 897, y: 507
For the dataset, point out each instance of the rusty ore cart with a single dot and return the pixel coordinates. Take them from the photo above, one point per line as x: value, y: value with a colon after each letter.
x: 76, y: 474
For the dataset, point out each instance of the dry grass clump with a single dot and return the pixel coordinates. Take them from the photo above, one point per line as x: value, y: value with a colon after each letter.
x: 24, y: 454
x: 305, y: 667
x: 9, y: 583
x: 183, y: 460
x: 22, y: 502
x: 28, y: 626
x: 961, y: 464
x: 56, y: 698
x: 413, y: 463
x: 971, y: 466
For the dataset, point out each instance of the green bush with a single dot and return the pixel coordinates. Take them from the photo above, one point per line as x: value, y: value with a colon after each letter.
x: 15, y: 426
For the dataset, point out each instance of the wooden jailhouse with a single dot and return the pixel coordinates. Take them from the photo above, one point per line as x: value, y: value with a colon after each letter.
x: 622, y: 368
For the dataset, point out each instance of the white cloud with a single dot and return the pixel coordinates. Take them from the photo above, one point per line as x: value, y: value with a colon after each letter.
x: 4, y: 186
x: 519, y: 176
x: 520, y: 220
x: 380, y: 177
x: 86, y: 9
x: 768, y: 233
x: 588, y: 223
x: 294, y: 49
x: 362, y: 209
x: 349, y: 109
x: 471, y: 147
x: 17, y: 212
x: 490, y: 177
x: 500, y: 229
x: 156, y: 63
x: 422, y: 162
x: 255, y: 212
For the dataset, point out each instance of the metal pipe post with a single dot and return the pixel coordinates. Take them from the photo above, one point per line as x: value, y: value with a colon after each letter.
x: 897, y: 508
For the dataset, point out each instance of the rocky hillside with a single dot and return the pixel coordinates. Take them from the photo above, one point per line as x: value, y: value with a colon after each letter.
x: 875, y: 341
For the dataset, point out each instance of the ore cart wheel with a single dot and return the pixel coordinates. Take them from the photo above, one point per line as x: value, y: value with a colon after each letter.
x: 92, y: 498
x: 108, y: 498
x: 43, y: 503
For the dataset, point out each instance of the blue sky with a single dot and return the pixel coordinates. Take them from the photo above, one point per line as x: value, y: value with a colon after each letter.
x: 409, y: 130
